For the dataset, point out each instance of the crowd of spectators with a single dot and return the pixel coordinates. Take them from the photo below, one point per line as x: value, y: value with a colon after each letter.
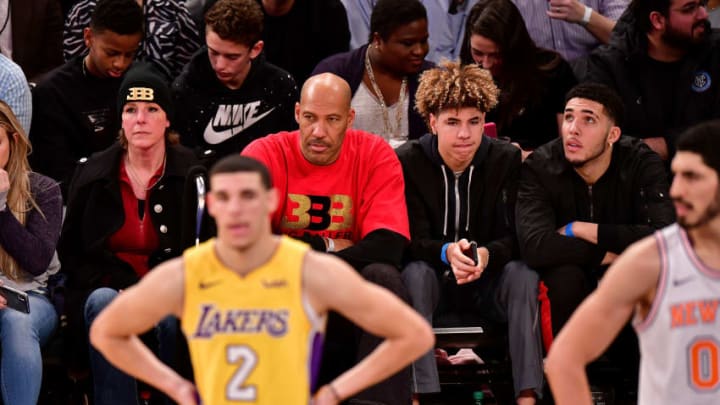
x: 396, y: 131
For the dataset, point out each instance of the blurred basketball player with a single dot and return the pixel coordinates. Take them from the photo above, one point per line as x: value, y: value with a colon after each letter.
x: 252, y: 305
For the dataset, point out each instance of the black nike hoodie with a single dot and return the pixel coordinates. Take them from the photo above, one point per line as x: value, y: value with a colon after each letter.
x: 217, y: 121
x: 477, y: 204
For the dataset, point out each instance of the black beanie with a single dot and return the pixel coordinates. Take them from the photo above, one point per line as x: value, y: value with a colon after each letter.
x: 144, y: 83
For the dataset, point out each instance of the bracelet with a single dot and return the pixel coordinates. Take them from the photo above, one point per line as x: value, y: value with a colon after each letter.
x: 586, y: 16
x: 568, y: 229
x: 443, y: 253
x: 334, y: 392
x: 330, y: 245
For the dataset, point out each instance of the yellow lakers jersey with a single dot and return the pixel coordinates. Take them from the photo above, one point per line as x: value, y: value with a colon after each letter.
x: 252, y: 339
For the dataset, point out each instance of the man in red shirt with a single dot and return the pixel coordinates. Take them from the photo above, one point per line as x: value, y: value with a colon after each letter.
x: 341, y: 190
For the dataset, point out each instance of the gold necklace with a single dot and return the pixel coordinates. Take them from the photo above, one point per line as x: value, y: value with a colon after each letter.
x: 390, y: 132
x: 134, y: 178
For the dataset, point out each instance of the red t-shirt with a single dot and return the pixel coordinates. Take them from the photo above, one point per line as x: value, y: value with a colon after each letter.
x: 362, y: 191
x: 137, y: 239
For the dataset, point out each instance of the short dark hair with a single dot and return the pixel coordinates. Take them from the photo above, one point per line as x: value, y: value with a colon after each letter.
x: 123, y: 17
x: 602, y: 94
x: 388, y: 15
x: 242, y: 164
x: 703, y: 139
x: 641, y: 10
x: 240, y: 21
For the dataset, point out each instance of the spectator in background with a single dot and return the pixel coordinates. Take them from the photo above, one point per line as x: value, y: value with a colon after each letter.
x: 586, y: 197
x: 571, y: 27
x: 533, y: 81
x: 300, y: 33
x: 30, y: 220
x: 713, y: 9
x: 446, y: 25
x: 32, y: 36
x: 125, y: 214
x: 341, y: 191
x: 171, y: 36
x: 483, y: 173
x: 15, y: 91
x: 229, y: 95
x: 74, y: 111
x: 383, y: 75
x: 664, y: 61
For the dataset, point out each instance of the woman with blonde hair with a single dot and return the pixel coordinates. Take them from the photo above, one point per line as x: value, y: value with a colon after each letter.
x: 30, y: 220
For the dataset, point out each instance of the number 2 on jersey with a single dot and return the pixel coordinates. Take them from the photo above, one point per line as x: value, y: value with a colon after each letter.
x: 245, y: 359
x: 703, y: 358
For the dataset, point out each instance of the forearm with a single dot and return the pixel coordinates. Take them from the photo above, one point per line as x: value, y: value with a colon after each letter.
x: 569, y: 383
x: 600, y: 26
x: 427, y: 250
x: 586, y: 231
x: 553, y: 249
x: 379, y: 246
x: 31, y: 245
x: 387, y: 359
x: 616, y: 238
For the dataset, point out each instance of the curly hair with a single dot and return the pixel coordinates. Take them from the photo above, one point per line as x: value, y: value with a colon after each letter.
x: 239, y: 21
x: 453, y: 85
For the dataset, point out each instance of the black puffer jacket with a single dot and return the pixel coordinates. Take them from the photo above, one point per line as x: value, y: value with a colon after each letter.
x: 478, y: 205
x: 629, y: 202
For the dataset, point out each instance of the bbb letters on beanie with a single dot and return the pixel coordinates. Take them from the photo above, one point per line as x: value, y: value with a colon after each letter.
x: 144, y: 83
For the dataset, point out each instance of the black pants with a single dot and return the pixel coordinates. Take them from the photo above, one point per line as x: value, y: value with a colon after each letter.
x: 567, y: 287
x: 346, y: 345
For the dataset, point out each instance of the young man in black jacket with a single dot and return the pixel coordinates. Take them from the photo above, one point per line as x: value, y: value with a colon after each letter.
x: 74, y: 106
x: 585, y: 197
x: 460, y: 188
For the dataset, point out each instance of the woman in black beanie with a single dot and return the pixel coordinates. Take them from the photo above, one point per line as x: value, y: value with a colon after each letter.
x: 124, y: 216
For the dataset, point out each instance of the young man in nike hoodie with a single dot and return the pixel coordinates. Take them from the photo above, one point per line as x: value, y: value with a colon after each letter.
x: 228, y: 95
x: 460, y: 187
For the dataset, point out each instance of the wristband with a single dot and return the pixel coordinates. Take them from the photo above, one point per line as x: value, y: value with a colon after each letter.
x: 568, y: 229
x: 330, y: 245
x: 334, y: 393
x: 586, y: 16
x: 443, y: 253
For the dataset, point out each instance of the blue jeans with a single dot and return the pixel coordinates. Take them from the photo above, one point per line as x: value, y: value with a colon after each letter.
x: 21, y: 336
x: 112, y: 386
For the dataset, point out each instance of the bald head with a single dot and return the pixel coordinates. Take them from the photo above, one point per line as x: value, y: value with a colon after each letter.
x: 329, y: 87
x: 324, y: 115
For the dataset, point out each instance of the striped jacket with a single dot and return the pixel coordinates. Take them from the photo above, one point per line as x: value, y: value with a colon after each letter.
x: 171, y: 36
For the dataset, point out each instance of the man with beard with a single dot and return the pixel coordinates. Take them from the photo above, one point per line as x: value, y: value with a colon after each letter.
x: 671, y: 283
x: 664, y: 61
x: 583, y: 199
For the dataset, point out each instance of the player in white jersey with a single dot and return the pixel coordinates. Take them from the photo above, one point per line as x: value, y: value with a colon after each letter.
x: 671, y: 281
